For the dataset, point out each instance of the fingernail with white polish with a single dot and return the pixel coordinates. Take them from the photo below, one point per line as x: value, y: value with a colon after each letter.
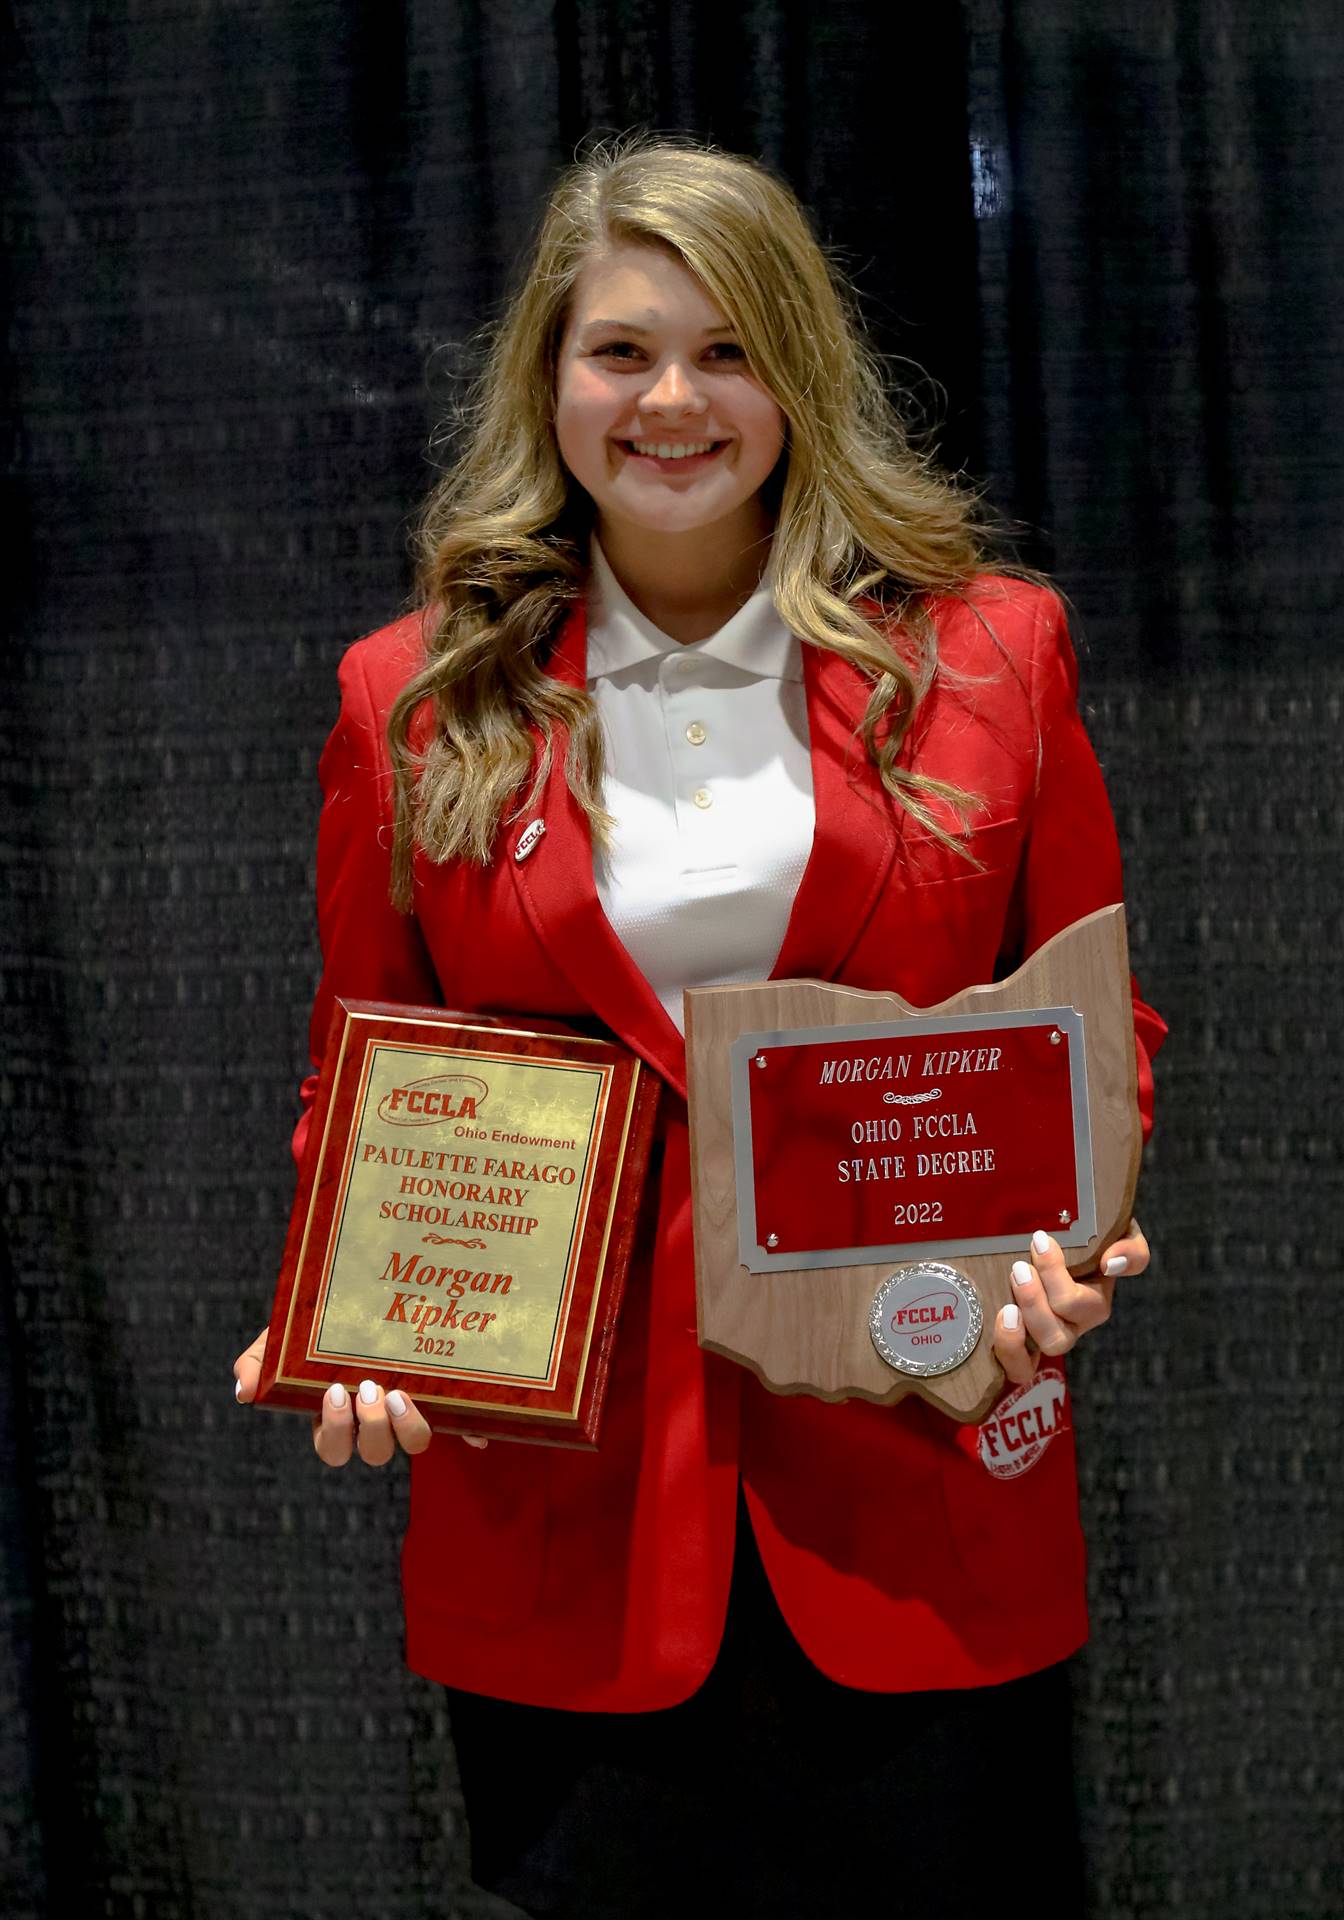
x: 1040, y: 1241
x: 337, y: 1396
x: 396, y: 1405
x: 1118, y: 1265
x: 368, y: 1393
x: 1022, y: 1274
x: 474, y: 1440
x: 237, y: 1389
x: 1012, y: 1318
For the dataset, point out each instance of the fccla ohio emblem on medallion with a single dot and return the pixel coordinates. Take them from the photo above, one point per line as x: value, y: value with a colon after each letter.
x: 926, y: 1319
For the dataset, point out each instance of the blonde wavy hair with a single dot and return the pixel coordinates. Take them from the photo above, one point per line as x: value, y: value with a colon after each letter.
x: 866, y: 527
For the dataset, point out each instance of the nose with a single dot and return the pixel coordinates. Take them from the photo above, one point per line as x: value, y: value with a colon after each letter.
x: 673, y: 392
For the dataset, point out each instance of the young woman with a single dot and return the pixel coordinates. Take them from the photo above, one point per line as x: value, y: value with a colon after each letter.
x: 689, y: 600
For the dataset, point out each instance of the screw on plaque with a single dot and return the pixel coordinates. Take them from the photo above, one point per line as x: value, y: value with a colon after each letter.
x: 759, y: 1060
x: 772, y: 1240
x: 1064, y: 1216
x: 1055, y: 1036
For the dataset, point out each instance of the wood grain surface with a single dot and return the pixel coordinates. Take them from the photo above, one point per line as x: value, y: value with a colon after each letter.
x: 806, y: 1330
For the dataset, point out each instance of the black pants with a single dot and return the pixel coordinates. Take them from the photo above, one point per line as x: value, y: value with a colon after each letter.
x: 773, y: 1791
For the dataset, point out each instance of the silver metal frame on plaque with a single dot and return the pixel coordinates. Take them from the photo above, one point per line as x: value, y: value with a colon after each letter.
x: 758, y: 1258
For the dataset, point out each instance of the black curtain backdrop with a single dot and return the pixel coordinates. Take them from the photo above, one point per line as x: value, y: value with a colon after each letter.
x: 249, y: 244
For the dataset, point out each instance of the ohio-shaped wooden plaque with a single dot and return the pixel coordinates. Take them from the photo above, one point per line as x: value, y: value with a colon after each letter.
x: 840, y: 1138
x: 464, y: 1220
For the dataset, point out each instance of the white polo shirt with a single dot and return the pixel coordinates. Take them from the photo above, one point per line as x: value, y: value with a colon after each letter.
x: 709, y: 778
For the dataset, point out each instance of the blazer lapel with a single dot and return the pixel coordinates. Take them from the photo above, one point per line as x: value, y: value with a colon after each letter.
x: 854, y: 838
x: 853, y: 843
x: 558, y: 890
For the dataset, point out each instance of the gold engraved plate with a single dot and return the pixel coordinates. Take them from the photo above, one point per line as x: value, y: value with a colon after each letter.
x: 464, y: 1196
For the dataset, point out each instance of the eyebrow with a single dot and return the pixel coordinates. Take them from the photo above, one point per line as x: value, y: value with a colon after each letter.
x: 630, y: 326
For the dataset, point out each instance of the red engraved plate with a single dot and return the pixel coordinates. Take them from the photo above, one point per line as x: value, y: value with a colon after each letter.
x: 946, y: 1137
x: 464, y: 1220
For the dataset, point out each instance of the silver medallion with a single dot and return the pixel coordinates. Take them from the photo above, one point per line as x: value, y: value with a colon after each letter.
x: 926, y: 1319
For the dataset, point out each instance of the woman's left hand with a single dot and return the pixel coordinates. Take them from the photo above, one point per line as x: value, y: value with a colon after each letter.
x: 1051, y: 1311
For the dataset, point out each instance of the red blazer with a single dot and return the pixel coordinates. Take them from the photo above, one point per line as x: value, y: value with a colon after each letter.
x: 904, y: 1551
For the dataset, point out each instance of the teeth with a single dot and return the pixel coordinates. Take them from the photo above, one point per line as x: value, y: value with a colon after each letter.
x: 664, y: 450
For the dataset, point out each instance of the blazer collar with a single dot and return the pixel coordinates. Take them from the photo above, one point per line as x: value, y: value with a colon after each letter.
x: 852, y: 847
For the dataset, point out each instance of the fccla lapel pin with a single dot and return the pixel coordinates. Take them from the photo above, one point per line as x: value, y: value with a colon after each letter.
x: 528, y: 840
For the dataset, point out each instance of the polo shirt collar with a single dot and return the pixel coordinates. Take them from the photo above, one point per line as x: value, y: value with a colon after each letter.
x: 755, y: 640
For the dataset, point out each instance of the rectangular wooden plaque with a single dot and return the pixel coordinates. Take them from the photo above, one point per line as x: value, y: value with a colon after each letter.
x: 463, y: 1221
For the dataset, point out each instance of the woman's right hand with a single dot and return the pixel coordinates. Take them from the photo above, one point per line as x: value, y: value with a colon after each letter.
x: 370, y: 1422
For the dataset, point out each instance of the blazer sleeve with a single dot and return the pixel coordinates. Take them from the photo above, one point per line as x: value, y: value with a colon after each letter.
x: 1071, y: 862
x: 370, y: 951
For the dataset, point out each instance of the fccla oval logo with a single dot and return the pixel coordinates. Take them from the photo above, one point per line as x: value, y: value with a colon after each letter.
x: 930, y: 1310
x: 1024, y: 1423
x: 528, y: 839
x: 424, y: 1103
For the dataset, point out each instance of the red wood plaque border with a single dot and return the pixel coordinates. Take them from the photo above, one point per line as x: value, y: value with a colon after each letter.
x: 563, y: 1408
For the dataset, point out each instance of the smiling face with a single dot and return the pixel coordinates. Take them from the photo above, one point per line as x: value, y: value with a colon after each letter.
x: 658, y: 415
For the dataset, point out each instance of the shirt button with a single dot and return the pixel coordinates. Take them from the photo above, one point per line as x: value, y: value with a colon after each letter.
x: 703, y: 797
x: 696, y: 734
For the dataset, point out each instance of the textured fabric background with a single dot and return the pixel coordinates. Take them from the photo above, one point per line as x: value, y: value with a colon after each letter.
x: 248, y: 244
